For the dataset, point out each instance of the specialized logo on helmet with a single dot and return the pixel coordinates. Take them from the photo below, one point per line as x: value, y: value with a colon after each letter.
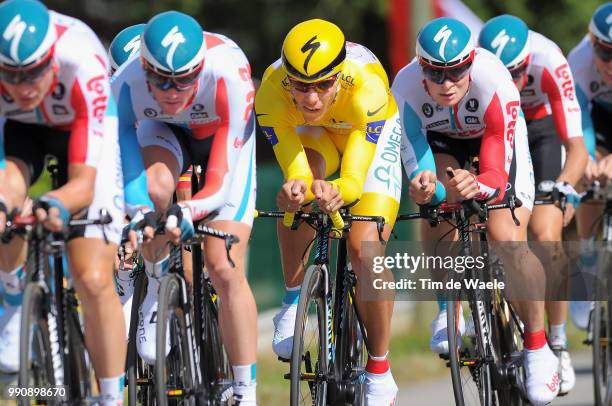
x: 443, y: 35
x: 312, y: 47
x: 609, y: 22
x: 132, y: 46
x: 14, y: 31
x: 173, y: 39
x: 499, y: 42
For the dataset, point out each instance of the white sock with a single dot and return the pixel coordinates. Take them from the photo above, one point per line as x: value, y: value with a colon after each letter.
x: 556, y: 335
x: 157, y: 269
x: 245, y: 382
x: 13, y: 283
x: 111, y: 390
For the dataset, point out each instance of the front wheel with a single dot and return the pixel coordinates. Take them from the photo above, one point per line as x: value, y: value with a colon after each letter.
x: 174, y: 370
x: 40, y: 363
x: 310, y: 354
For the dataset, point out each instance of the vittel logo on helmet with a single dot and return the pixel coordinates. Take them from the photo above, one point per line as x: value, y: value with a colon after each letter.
x: 443, y: 35
x: 172, y: 40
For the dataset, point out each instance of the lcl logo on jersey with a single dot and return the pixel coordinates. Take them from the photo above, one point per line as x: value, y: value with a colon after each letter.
x: 373, y: 130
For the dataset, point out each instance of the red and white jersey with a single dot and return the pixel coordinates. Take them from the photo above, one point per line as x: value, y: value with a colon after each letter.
x: 80, y: 99
x: 489, y: 110
x: 221, y: 107
x: 550, y: 88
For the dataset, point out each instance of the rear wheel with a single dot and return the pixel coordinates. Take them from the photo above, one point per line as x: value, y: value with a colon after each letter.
x: 309, y: 357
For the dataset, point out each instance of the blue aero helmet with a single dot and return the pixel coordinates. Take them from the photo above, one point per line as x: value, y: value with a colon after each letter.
x: 173, y: 44
x: 125, y: 45
x: 27, y: 34
x: 600, y: 25
x: 444, y: 43
x: 507, y: 37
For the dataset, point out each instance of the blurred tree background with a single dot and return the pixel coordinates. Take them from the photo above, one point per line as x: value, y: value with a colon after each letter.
x: 259, y: 26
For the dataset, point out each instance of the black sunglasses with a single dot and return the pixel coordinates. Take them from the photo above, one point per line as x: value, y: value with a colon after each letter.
x: 603, y: 52
x: 320, y: 87
x: 180, y: 83
x: 28, y: 75
x: 439, y: 75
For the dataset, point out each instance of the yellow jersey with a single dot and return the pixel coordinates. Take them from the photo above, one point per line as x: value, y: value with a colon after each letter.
x: 354, y: 120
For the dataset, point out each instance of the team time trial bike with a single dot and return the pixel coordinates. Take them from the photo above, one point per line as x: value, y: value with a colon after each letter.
x: 600, y: 322
x: 327, y: 364
x: 485, y: 363
x: 196, y: 369
x: 52, y: 351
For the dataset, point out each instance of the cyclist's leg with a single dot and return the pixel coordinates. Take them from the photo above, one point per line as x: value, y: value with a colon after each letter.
x: 455, y: 154
x: 525, y: 275
x: 23, y: 165
x: 324, y: 160
x: 588, y: 227
x: 546, y: 226
x: 381, y: 197
x: 164, y: 158
x: 91, y: 255
x: 237, y: 308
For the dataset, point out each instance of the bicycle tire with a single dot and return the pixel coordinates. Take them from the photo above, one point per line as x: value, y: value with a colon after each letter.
x: 133, y: 372
x: 80, y: 371
x: 470, y: 372
x: 600, y: 350
x: 36, y: 359
x: 506, y: 337
x: 174, y: 373
x: 312, y: 292
x: 216, y: 374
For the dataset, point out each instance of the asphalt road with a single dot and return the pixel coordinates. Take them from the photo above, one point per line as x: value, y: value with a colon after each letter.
x: 440, y: 391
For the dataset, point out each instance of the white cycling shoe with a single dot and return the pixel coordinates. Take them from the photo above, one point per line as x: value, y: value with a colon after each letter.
x: 439, y: 332
x: 125, y: 290
x: 9, y: 339
x: 380, y: 389
x: 542, y: 375
x: 147, y: 324
x: 567, y: 373
x: 284, y: 324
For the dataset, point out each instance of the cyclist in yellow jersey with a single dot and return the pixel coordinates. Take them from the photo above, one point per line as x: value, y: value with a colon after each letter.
x: 326, y: 105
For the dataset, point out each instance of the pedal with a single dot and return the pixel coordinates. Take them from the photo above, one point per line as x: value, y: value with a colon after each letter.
x: 445, y: 357
x: 284, y: 359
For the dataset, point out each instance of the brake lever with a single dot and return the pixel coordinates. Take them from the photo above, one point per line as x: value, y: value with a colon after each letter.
x: 380, y: 225
x: 513, y: 206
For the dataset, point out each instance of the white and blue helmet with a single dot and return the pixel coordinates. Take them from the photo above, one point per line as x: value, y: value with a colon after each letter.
x: 173, y: 43
x: 444, y: 43
x: 27, y: 34
x: 507, y: 37
x: 600, y: 25
x: 125, y: 45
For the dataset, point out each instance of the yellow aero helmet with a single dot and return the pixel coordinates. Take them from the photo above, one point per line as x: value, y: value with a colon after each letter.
x: 313, y: 50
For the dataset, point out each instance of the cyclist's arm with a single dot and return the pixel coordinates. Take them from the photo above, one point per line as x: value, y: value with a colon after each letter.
x: 95, y: 111
x: 272, y: 111
x: 416, y: 153
x: 588, y: 130
x: 132, y: 164
x: 234, y: 99
x: 496, y: 148
x: 558, y: 85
